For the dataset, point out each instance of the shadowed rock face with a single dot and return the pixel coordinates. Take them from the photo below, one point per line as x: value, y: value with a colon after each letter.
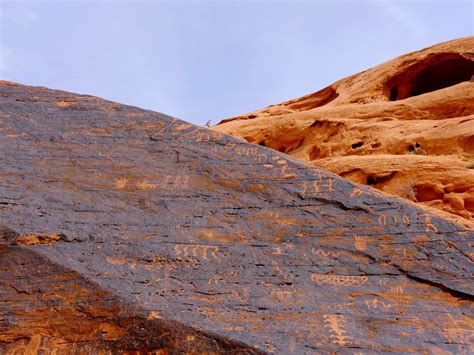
x: 125, y: 230
x: 405, y: 127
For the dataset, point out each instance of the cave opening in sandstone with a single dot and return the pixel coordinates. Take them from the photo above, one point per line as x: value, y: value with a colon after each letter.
x: 357, y: 145
x: 393, y: 93
x: 435, y: 72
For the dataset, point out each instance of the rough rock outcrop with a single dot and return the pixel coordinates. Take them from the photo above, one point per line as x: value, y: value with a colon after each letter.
x: 405, y: 127
x: 125, y: 230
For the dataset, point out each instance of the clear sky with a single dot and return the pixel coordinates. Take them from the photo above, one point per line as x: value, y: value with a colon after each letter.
x: 209, y: 60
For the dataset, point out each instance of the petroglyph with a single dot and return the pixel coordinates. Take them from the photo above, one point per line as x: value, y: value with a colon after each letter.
x: 304, y: 188
x: 430, y: 225
x: 375, y: 304
x: 144, y: 185
x: 406, y: 219
x: 396, y: 289
x: 461, y: 331
x: 283, y: 275
x: 383, y: 220
x: 242, y: 295
x: 339, y: 280
x: 206, y: 252
x: 355, y: 192
x: 277, y: 251
x: 165, y: 128
x: 176, y: 181
x: 202, y: 137
x: 360, y: 243
x: 184, y: 126
x: 246, y: 150
x: 261, y: 158
x: 317, y: 186
x: 326, y: 254
x: 121, y: 183
x: 335, y: 325
x: 421, y: 239
x: 169, y: 182
x: 214, y: 280
x: 282, y: 295
x: 402, y: 252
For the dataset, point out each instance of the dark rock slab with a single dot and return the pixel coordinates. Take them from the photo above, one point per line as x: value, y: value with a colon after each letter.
x: 125, y: 230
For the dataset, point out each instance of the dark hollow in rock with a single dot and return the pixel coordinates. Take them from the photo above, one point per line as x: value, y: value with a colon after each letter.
x: 315, y: 152
x: 372, y: 180
x: 436, y: 71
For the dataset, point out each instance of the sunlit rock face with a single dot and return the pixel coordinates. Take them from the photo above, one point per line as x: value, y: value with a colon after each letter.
x: 128, y: 231
x: 405, y: 127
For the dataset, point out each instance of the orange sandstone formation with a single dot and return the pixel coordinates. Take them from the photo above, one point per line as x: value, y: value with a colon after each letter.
x: 405, y: 127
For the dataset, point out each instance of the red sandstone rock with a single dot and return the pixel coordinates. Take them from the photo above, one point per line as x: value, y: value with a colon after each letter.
x: 405, y: 127
x: 128, y: 231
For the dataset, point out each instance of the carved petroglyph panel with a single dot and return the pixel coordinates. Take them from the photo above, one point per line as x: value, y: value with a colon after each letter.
x: 339, y: 280
x: 166, y: 182
x: 283, y: 295
x: 396, y: 289
x: 325, y: 253
x: 460, y: 330
x: 384, y: 220
x: 206, y: 252
x: 321, y: 185
x: 421, y: 239
x: 355, y: 192
x: 335, y: 324
x: 216, y: 280
x: 176, y: 182
x: 145, y: 185
x: 317, y: 187
x: 429, y: 225
x: 202, y: 137
x: 121, y: 183
x: 169, y: 182
x: 360, y: 243
x: 250, y: 152
x: 377, y: 304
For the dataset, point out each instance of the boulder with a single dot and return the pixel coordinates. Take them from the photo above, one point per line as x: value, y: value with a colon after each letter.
x: 129, y: 231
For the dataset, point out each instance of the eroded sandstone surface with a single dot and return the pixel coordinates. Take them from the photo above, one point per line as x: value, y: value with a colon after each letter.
x: 128, y: 231
x: 405, y: 127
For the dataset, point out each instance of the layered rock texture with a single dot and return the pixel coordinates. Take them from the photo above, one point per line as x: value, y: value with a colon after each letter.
x: 405, y: 127
x: 128, y: 231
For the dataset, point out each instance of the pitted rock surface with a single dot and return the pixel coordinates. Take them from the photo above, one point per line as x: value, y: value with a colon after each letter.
x: 405, y: 127
x: 144, y: 233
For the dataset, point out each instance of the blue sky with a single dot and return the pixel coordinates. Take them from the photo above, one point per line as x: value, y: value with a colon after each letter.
x: 209, y: 60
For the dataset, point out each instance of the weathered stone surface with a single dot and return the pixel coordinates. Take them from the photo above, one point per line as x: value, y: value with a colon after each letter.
x: 125, y: 230
x: 405, y: 127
